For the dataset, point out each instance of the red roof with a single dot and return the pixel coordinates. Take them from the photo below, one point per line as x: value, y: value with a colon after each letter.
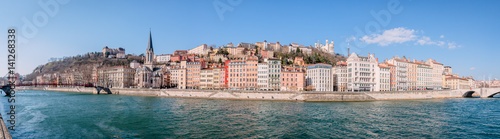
x: 455, y: 78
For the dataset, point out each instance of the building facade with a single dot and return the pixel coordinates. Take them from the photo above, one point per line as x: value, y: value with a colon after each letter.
x: 292, y: 79
x: 274, y: 73
x: 361, y: 72
x: 319, y: 77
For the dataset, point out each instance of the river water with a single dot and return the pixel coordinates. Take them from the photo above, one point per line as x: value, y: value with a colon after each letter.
x: 48, y: 114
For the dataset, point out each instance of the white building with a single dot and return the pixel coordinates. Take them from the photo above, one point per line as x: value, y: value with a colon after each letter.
x: 437, y: 73
x: 198, y: 50
x: 424, y: 76
x: 163, y: 58
x: 319, y: 76
x: 134, y: 64
x: 328, y: 47
x: 263, y: 76
x: 361, y: 72
x: 382, y: 77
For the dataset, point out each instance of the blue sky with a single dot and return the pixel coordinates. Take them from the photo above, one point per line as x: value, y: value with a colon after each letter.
x: 461, y: 34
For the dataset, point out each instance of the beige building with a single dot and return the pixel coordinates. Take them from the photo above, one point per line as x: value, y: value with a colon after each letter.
x: 455, y: 83
x: 437, y: 73
x: 424, y: 76
x: 219, y: 78
x: 178, y: 77
x: 200, y: 50
x: 340, y: 75
x: 207, y: 79
x: 116, y: 77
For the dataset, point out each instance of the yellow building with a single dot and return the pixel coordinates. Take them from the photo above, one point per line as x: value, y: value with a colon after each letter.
x: 456, y: 83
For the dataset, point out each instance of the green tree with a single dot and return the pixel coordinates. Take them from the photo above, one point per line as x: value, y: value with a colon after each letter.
x: 220, y: 60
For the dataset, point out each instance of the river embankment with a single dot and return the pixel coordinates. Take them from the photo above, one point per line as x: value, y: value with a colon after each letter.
x: 267, y: 95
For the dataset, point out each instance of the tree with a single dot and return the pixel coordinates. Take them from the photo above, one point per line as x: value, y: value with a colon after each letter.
x: 220, y: 60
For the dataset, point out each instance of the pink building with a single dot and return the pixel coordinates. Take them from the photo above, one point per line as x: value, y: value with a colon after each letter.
x: 292, y: 79
x: 241, y: 75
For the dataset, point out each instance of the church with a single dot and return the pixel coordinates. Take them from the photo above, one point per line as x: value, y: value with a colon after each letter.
x: 147, y: 75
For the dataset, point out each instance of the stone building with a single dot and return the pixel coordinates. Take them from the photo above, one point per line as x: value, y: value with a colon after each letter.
x: 148, y: 76
x: 319, y: 77
x: 361, y: 72
x: 401, y: 72
x: 116, y: 77
x: 113, y: 53
x: 340, y: 76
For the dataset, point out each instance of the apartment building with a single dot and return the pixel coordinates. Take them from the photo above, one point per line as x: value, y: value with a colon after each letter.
x: 236, y: 75
x: 424, y: 76
x: 292, y: 79
x: 263, y: 76
x: 412, y: 75
x: 251, y: 72
x: 382, y: 77
x: 274, y: 73
x: 219, y: 78
x: 193, y: 70
x: 401, y: 72
x: 437, y: 73
x: 340, y: 75
x: 319, y: 77
x: 361, y: 72
x: 207, y: 79
x: 457, y: 83
x: 393, y: 76
x: 116, y: 77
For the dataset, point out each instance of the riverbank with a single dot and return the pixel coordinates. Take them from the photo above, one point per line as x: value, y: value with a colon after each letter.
x: 268, y: 95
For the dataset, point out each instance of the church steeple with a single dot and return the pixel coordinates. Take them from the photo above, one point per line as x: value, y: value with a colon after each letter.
x: 150, y: 43
x: 148, y: 62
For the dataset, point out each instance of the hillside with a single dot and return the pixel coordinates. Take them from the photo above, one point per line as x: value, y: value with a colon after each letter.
x: 80, y: 63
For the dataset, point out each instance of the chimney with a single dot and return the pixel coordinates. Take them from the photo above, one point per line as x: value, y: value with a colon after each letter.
x: 377, y: 60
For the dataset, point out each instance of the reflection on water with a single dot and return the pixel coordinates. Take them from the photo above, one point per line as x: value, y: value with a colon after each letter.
x: 45, y: 114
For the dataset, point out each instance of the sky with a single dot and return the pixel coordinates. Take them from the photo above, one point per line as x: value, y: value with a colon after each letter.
x: 460, y: 34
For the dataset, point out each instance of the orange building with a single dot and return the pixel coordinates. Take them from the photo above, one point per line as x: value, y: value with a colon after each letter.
x: 393, y: 76
x: 412, y: 76
x: 299, y: 61
x: 251, y: 73
x: 193, y: 74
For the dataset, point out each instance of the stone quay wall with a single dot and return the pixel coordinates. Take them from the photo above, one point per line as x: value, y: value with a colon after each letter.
x: 268, y: 95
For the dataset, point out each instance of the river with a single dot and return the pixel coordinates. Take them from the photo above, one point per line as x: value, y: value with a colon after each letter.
x: 48, y: 114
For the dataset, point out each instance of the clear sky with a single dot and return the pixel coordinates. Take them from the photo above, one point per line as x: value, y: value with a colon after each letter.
x: 461, y: 34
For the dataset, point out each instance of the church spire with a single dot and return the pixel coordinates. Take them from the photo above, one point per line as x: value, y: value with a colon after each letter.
x: 149, y: 59
x: 150, y: 43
